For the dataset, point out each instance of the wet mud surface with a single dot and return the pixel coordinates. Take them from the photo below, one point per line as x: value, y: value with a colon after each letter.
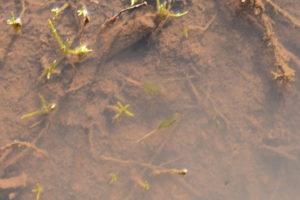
x: 237, y: 132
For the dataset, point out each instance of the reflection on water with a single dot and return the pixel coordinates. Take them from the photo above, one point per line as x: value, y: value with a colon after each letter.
x: 235, y: 130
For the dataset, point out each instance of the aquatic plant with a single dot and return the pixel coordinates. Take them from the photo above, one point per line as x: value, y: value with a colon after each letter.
x: 63, y: 47
x: 163, y: 11
x: 151, y: 87
x: 57, y: 10
x: 84, y: 14
x: 48, y: 71
x: 164, y: 124
x: 82, y: 49
x: 186, y: 32
x: 38, y: 190
x: 44, y: 110
x: 140, y: 182
x: 15, y: 23
x: 122, y: 109
x: 113, y: 178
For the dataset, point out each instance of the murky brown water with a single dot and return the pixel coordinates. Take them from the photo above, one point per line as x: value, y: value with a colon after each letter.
x: 237, y: 130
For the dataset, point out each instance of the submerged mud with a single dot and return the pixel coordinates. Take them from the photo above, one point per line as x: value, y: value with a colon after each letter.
x: 235, y: 133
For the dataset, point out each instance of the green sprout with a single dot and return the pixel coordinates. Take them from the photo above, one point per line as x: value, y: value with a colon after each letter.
x: 113, y: 178
x: 123, y: 109
x: 38, y: 189
x: 143, y: 184
x: 84, y: 14
x: 82, y: 49
x: 60, y: 43
x: 165, y: 12
x: 16, y: 23
x: 186, y: 32
x: 45, y: 110
x: 48, y: 71
x: 57, y: 10
x: 164, y: 124
x: 146, y: 185
x: 153, y: 88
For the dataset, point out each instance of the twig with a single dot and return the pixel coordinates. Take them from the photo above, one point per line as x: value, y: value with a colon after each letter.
x: 114, y: 18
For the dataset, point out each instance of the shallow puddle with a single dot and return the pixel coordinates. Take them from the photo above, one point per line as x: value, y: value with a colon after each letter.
x: 220, y: 126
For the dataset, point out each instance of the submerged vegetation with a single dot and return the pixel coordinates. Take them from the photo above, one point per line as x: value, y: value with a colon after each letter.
x: 15, y: 23
x: 122, y: 109
x: 37, y: 190
x: 48, y: 71
x: 44, y: 110
x: 162, y: 11
x: 164, y: 124
x: 57, y: 10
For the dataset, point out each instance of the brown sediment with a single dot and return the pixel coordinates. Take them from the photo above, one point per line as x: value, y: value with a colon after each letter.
x: 23, y: 144
x: 284, y: 13
x: 283, y: 73
x: 124, y: 33
x: 14, y: 182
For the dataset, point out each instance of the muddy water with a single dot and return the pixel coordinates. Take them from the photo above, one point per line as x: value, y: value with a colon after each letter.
x: 237, y: 132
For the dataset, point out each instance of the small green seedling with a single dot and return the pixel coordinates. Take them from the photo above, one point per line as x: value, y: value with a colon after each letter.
x: 48, y: 71
x: 123, y: 109
x: 81, y: 50
x: 143, y: 184
x: 164, y: 124
x: 153, y: 88
x: 148, y: 86
x: 15, y: 23
x: 146, y: 185
x: 45, y: 110
x: 186, y: 32
x: 57, y: 10
x: 164, y: 12
x: 113, y: 178
x: 63, y: 47
x: 84, y: 14
x: 38, y: 190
